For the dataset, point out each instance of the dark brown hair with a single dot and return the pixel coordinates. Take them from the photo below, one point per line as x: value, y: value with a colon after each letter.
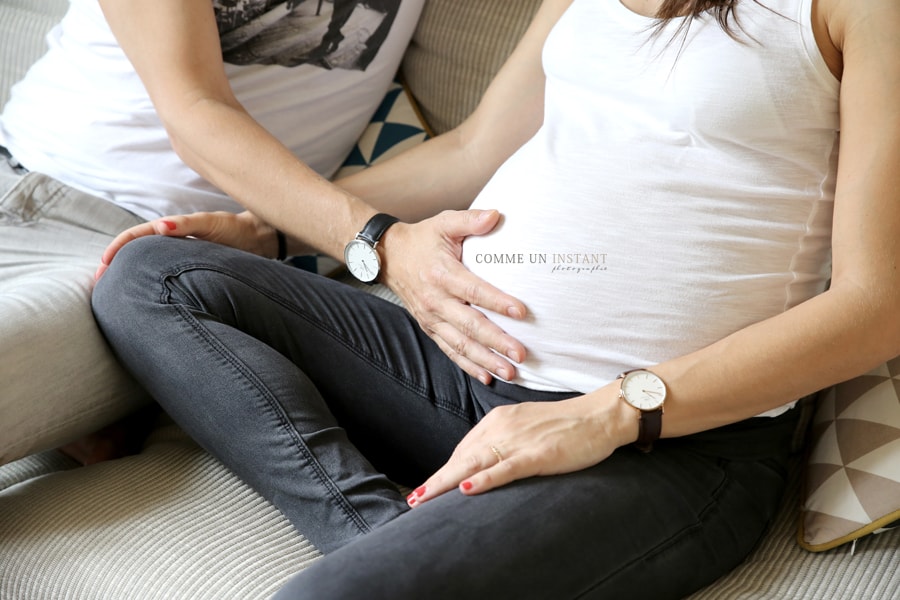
x: 722, y: 10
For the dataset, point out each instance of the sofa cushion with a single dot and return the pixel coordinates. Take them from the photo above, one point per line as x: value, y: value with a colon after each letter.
x: 171, y: 522
x: 23, y: 25
x: 853, y: 475
x: 34, y: 465
x: 457, y: 48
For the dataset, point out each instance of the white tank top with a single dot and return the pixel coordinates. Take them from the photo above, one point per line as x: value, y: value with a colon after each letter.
x: 83, y: 116
x: 674, y: 194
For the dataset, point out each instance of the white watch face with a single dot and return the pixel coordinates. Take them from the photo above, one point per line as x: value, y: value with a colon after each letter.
x: 643, y: 390
x: 362, y: 260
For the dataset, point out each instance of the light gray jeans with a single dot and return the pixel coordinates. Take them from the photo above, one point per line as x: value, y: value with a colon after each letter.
x: 58, y: 379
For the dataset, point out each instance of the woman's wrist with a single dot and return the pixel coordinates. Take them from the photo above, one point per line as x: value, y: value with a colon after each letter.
x: 620, y: 421
x: 259, y: 237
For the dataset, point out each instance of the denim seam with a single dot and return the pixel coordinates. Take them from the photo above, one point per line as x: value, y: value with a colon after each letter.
x: 374, y: 362
x: 270, y: 400
x: 673, y: 539
x: 441, y: 403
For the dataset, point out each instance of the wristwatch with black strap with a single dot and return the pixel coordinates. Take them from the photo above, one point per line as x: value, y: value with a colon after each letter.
x: 362, y: 259
x: 645, y: 391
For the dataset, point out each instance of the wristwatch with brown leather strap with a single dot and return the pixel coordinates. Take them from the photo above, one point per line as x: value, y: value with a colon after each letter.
x: 645, y: 391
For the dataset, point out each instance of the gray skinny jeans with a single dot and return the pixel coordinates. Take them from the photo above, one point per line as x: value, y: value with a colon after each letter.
x: 319, y: 396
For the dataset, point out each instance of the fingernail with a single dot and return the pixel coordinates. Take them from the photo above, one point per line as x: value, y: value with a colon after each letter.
x: 411, y: 500
x: 170, y: 225
x: 504, y: 373
x: 419, y: 491
x: 484, y: 378
x: 515, y: 312
x: 466, y: 486
x: 514, y: 355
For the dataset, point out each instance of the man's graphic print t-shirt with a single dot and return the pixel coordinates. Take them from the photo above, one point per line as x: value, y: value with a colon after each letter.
x: 312, y: 72
x: 342, y: 34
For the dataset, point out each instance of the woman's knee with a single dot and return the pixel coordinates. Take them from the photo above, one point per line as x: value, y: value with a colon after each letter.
x: 133, y: 276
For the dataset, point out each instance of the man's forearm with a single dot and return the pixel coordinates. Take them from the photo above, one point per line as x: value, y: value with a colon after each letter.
x: 215, y: 139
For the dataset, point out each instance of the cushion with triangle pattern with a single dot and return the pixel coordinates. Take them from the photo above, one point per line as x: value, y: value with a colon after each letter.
x: 853, y: 470
x: 396, y: 126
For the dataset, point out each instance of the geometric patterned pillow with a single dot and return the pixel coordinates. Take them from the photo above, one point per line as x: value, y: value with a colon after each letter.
x: 396, y: 126
x: 853, y: 470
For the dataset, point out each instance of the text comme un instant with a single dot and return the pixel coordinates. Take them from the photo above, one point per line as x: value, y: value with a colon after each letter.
x: 542, y: 258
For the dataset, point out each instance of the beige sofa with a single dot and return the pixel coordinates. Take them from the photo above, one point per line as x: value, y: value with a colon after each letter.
x: 171, y: 522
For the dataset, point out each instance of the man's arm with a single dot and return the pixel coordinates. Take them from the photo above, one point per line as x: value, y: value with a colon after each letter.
x: 174, y: 46
x: 450, y: 170
x: 175, y: 49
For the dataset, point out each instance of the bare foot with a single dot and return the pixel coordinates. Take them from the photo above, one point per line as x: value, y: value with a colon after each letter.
x: 122, y: 438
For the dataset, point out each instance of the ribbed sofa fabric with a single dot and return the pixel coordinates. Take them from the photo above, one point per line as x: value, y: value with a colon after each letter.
x: 169, y: 523
x: 22, y: 28
x: 173, y: 523
x: 456, y: 51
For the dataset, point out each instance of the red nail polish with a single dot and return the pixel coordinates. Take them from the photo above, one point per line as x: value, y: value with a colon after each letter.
x: 170, y: 225
x: 411, y: 500
x: 420, y: 491
x: 466, y: 485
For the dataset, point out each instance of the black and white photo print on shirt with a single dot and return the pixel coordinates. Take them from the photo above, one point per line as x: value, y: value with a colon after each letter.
x: 331, y: 34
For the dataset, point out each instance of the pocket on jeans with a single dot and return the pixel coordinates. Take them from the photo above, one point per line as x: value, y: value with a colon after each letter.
x: 15, y: 204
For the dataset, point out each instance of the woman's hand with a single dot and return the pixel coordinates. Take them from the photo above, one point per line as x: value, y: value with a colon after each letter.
x: 423, y: 267
x: 534, y: 438
x: 243, y: 231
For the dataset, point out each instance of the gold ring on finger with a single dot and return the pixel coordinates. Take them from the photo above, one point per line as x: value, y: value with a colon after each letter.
x: 497, y: 454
